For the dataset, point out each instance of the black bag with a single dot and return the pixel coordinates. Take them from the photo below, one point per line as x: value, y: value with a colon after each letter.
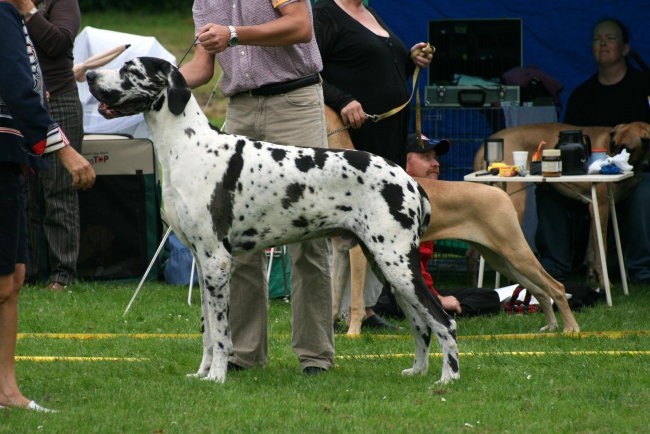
x: 582, y: 295
x: 473, y: 301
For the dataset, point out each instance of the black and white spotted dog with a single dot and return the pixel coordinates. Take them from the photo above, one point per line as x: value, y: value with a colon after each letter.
x: 226, y: 194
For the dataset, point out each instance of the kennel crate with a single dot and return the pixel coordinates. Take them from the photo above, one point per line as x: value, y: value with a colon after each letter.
x: 466, y: 128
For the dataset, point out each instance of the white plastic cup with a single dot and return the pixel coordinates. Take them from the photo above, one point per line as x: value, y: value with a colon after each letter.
x: 520, y: 159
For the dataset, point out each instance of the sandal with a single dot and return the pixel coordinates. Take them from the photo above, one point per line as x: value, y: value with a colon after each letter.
x: 55, y: 287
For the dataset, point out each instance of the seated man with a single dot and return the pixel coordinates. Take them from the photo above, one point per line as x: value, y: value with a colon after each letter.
x: 422, y: 162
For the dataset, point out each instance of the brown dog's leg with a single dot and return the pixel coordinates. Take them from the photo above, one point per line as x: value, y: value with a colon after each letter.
x: 358, y: 267
x: 339, y: 272
x: 485, y: 217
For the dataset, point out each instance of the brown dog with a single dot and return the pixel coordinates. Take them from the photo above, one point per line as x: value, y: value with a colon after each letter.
x: 461, y: 211
x: 633, y: 136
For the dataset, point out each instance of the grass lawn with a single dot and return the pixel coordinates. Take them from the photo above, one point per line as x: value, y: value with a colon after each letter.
x: 109, y: 373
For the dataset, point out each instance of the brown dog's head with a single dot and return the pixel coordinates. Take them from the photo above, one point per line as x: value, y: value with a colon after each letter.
x: 635, y: 138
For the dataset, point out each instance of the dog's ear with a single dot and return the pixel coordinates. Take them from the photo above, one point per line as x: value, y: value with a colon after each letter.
x: 178, y: 92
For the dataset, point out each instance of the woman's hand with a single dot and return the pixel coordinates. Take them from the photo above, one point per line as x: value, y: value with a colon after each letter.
x: 352, y: 114
x: 422, y: 54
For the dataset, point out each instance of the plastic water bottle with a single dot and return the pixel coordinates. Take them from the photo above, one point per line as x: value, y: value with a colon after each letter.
x: 597, y: 154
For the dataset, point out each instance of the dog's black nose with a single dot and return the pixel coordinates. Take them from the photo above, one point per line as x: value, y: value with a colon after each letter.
x: 90, y: 76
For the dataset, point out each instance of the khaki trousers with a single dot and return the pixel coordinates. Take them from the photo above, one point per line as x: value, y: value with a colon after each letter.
x: 294, y: 118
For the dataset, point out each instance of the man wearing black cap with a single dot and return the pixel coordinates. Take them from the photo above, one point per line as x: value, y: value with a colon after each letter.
x: 422, y: 162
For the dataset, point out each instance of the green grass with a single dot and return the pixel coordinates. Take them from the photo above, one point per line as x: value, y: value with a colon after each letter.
x: 512, y: 378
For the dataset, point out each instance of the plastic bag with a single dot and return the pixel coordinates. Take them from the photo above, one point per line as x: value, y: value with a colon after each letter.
x: 611, y: 165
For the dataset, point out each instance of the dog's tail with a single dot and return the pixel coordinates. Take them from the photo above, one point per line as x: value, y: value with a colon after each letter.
x: 425, y: 207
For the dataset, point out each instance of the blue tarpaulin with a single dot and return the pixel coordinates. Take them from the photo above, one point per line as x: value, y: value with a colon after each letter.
x: 556, y: 36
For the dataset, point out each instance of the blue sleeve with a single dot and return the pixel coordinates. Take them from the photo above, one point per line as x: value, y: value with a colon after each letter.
x: 17, y: 81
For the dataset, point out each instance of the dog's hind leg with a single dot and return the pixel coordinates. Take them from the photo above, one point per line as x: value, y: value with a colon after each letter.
x: 426, y: 316
x: 524, y: 269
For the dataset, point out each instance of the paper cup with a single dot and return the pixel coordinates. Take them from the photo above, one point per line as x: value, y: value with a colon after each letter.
x: 520, y: 159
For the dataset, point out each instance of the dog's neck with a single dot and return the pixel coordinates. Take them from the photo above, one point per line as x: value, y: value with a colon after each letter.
x: 162, y: 121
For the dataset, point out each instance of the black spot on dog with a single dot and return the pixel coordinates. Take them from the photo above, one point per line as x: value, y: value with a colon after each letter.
x: 300, y: 222
x: 227, y: 245
x: 293, y: 193
x: 320, y: 157
x: 158, y: 104
x: 305, y: 163
x: 221, y: 201
x: 248, y: 245
x: 453, y: 363
x: 344, y: 208
x: 358, y: 159
x: 278, y: 154
x: 250, y: 232
x: 394, y: 197
x: 189, y: 132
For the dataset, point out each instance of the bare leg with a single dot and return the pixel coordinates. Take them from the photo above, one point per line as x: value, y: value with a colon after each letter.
x: 10, y: 284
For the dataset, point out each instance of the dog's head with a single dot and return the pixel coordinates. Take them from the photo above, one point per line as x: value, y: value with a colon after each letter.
x: 142, y: 84
x: 635, y: 138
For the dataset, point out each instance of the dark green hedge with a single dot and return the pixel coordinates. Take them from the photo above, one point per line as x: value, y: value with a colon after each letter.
x: 135, y: 5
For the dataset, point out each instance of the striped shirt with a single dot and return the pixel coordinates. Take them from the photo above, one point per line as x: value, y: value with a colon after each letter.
x: 247, y: 67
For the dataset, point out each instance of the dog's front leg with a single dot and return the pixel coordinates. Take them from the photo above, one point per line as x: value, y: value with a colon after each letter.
x: 206, y: 359
x: 216, y: 297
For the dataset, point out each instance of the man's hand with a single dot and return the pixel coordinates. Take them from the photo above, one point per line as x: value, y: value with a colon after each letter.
x: 213, y: 38
x: 83, y: 174
x: 450, y: 303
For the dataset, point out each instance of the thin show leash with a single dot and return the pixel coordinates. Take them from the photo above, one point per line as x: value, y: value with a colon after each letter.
x: 418, y: 121
x: 169, y: 228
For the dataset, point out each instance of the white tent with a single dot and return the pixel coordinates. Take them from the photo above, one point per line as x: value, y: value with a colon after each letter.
x: 91, y: 41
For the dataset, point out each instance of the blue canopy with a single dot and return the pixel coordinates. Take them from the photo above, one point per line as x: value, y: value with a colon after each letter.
x: 556, y: 33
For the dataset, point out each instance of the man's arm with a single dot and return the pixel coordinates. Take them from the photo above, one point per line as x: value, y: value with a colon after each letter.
x: 200, y: 69
x: 292, y: 27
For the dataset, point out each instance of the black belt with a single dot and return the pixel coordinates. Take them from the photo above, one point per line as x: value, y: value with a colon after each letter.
x: 284, y: 87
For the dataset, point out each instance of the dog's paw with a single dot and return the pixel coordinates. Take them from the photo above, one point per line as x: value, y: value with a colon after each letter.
x: 448, y: 378
x: 548, y: 328
x: 201, y: 372
x: 410, y: 372
x: 217, y: 377
x: 572, y: 329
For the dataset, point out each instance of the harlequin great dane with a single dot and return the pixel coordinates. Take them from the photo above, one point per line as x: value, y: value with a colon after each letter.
x: 481, y: 215
x: 634, y: 137
x: 227, y: 194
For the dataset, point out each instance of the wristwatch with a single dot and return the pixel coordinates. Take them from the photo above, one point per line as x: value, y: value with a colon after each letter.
x: 28, y: 15
x: 234, y: 40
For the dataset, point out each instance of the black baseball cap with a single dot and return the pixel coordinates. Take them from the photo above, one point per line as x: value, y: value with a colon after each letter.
x: 440, y: 146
